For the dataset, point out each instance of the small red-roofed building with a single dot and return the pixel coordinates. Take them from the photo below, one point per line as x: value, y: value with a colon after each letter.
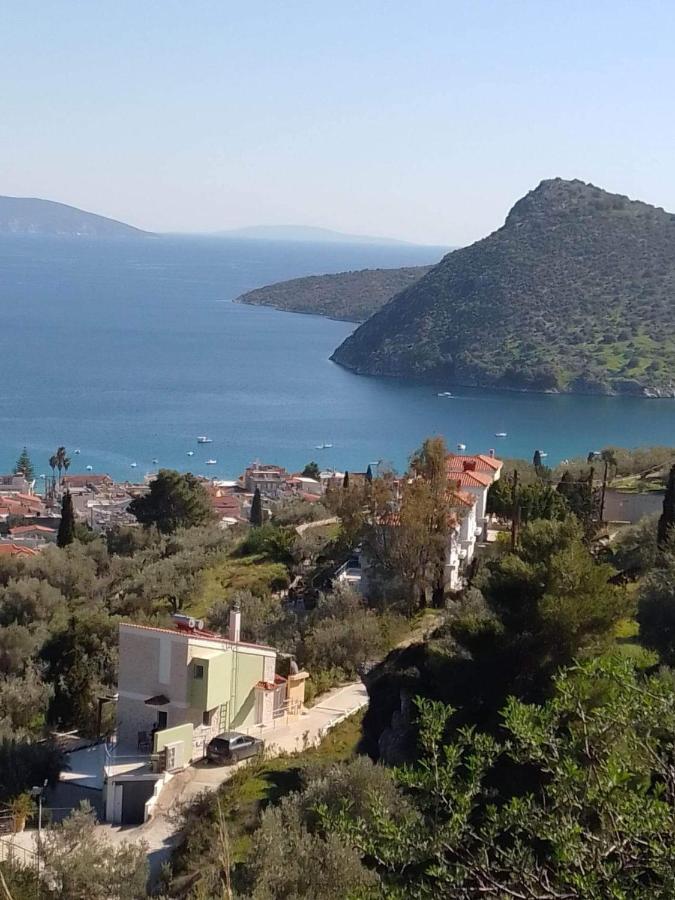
x: 9, y: 549
x: 32, y: 535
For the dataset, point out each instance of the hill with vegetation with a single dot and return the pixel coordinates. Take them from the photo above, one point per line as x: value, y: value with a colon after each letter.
x: 29, y: 215
x: 351, y: 296
x: 575, y: 293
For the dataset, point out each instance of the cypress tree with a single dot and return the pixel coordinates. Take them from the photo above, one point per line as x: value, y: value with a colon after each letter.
x: 256, y: 518
x: 66, y: 534
x: 369, y: 474
x: 345, y: 482
x: 667, y: 520
x: 24, y: 466
x: 536, y: 460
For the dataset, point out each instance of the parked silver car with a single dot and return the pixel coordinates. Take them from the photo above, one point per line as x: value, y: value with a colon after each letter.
x: 232, y: 746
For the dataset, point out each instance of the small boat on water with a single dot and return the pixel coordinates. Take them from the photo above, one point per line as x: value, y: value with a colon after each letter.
x: 89, y: 468
x: 155, y: 461
x: 444, y: 394
x: 461, y: 446
x: 211, y: 462
x: 500, y: 434
x: 133, y: 465
x: 542, y: 454
x: 78, y: 450
x: 203, y: 439
x: 191, y: 453
x: 323, y: 446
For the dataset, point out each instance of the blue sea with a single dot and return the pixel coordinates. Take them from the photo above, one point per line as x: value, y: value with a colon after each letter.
x: 128, y: 350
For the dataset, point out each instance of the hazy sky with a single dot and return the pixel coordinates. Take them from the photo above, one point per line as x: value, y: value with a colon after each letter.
x: 411, y: 118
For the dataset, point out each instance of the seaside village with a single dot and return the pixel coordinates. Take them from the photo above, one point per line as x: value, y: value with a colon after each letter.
x: 180, y: 687
x: 183, y: 686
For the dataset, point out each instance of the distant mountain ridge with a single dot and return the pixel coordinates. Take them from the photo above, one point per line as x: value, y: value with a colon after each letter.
x: 30, y: 215
x: 306, y: 234
x: 350, y: 296
x: 574, y: 293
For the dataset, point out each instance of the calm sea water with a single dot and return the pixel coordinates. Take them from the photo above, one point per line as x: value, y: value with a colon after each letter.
x: 130, y: 350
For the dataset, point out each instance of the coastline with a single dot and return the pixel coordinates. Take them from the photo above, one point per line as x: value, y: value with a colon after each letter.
x: 646, y: 393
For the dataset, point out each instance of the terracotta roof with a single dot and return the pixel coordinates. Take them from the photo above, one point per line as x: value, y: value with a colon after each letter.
x: 196, y: 634
x: 464, y: 497
x: 23, y: 529
x: 491, y: 461
x: 480, y: 463
x: 16, y: 550
x: 470, y: 479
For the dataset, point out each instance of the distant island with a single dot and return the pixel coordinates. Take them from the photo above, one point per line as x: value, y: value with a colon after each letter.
x: 575, y: 293
x: 350, y: 296
x: 32, y: 216
x: 306, y: 234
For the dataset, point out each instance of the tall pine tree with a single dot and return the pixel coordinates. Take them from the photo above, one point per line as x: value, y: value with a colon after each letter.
x: 345, y: 481
x: 667, y: 520
x: 369, y: 474
x: 66, y: 533
x: 24, y: 466
x: 256, y: 518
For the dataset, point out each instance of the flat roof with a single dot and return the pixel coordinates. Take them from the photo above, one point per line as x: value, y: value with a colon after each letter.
x: 196, y: 635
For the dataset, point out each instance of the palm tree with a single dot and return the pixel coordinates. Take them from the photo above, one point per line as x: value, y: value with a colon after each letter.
x: 61, y: 460
x: 53, y: 462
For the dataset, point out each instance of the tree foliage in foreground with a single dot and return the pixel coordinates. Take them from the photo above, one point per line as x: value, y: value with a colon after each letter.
x: 656, y: 605
x: 175, y: 500
x: 576, y: 802
x: 84, y: 866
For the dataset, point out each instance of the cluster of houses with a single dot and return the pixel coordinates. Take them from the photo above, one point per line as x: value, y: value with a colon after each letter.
x: 26, y: 522
x: 29, y: 520
x: 469, y: 478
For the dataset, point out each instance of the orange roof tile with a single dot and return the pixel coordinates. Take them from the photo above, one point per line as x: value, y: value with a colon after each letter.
x: 16, y: 550
x: 480, y: 463
x: 22, y: 529
x: 470, y: 479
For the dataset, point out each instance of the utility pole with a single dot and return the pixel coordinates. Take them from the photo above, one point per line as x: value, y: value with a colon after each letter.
x: 515, y: 511
x: 37, y: 792
x: 604, y: 490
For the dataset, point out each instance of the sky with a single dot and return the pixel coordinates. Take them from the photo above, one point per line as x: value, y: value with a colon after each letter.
x: 419, y: 120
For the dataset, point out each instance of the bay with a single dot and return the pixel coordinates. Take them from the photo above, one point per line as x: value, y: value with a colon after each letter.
x: 128, y: 350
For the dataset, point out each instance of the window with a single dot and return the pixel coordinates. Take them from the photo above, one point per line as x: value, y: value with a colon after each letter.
x: 199, y: 673
x: 162, y: 719
x: 206, y: 717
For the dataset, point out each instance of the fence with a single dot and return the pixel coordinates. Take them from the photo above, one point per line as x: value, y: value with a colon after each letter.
x: 15, y: 854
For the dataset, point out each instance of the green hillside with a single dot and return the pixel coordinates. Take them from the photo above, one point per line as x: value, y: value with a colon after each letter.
x: 575, y: 293
x: 352, y: 296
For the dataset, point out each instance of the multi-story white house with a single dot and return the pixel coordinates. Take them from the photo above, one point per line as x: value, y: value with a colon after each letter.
x: 475, y: 474
x: 469, y: 480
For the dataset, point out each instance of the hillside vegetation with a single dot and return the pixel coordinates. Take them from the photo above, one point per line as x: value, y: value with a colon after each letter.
x: 575, y: 293
x: 351, y: 296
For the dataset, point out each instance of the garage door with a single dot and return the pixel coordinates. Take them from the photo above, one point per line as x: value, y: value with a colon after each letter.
x: 135, y: 794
